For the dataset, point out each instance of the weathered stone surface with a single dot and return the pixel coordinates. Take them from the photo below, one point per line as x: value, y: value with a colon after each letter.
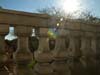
x: 23, y: 56
x: 82, y: 54
x: 60, y: 51
x: 43, y: 56
x: 4, y: 29
x: 43, y: 68
x: 23, y: 18
x: 61, y: 67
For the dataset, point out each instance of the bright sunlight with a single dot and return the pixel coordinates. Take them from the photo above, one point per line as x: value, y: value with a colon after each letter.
x: 70, y: 6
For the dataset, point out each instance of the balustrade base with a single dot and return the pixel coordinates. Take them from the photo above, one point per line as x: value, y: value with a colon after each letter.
x: 43, y: 56
x: 61, y: 68
x: 60, y: 55
x: 43, y: 69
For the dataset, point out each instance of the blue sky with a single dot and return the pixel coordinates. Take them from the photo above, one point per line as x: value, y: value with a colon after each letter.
x: 26, y: 5
x: 33, y: 5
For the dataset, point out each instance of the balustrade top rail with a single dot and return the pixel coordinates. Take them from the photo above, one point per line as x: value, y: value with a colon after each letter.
x: 13, y: 17
x: 19, y: 18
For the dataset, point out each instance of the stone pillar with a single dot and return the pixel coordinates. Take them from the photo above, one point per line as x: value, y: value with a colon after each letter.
x: 86, y: 48
x: 88, y: 53
x: 76, y: 66
x: 23, y: 56
x: 43, y: 55
x: 2, y: 45
x: 75, y: 44
x: 71, y: 50
x: 4, y: 29
x: 60, y: 54
x: 93, y: 56
x: 98, y: 53
x: 83, y: 50
x: 74, y: 47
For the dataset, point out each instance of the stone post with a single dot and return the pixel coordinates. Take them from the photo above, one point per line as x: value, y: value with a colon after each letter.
x: 88, y: 52
x: 2, y: 45
x: 75, y: 44
x: 71, y: 50
x: 98, y: 53
x: 23, y: 56
x: 74, y: 53
x: 76, y: 67
x: 93, y: 56
x: 85, y: 48
x: 43, y: 55
x: 60, y: 55
x: 4, y: 29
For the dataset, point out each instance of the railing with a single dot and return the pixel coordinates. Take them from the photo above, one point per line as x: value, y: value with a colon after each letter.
x: 75, y: 47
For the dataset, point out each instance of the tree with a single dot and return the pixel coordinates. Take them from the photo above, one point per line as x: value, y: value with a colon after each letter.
x: 88, y: 16
x: 82, y: 15
x: 1, y: 7
x: 55, y: 12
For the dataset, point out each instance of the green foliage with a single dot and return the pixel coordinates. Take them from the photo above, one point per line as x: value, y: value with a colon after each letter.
x: 31, y: 64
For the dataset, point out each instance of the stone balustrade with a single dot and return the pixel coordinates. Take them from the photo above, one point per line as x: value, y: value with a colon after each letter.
x: 23, y: 56
x: 76, y: 56
x: 4, y: 29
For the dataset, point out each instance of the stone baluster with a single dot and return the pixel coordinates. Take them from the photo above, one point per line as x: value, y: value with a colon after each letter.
x: 23, y: 56
x: 98, y: 46
x: 83, y: 46
x: 43, y: 55
x: 74, y: 49
x: 77, y: 43
x: 60, y: 52
x: 76, y: 66
x: 87, y: 48
x: 71, y: 50
x: 4, y: 29
x: 93, y: 47
x: 93, y: 55
x: 83, y: 50
x: 60, y: 55
x: 2, y: 47
x: 98, y: 54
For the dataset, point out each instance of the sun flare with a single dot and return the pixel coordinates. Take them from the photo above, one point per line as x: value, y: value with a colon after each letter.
x: 70, y: 6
